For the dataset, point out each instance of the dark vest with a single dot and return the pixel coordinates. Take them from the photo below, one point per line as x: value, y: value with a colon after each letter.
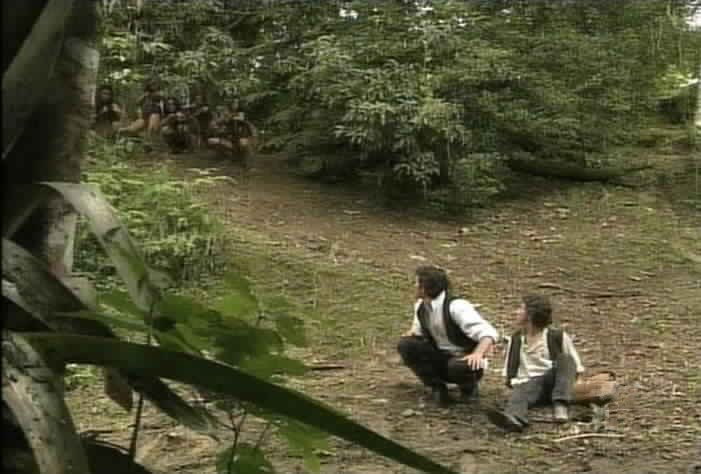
x: 513, y: 360
x: 453, y: 331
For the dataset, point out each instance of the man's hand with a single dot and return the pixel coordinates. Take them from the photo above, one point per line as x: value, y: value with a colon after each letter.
x: 409, y: 333
x: 474, y: 360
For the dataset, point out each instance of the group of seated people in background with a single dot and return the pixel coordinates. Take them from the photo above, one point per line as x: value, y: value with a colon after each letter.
x: 181, y: 127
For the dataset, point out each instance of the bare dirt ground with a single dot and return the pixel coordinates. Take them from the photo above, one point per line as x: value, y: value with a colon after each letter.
x: 622, y: 266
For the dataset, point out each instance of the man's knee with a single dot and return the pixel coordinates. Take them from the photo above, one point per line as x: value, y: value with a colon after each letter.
x: 565, y: 362
x: 459, y: 371
x: 409, y: 346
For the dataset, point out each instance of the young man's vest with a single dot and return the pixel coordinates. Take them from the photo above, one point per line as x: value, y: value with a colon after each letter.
x: 453, y: 331
x: 513, y: 360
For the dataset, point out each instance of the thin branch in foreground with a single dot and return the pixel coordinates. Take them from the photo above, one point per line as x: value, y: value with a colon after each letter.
x: 140, y: 403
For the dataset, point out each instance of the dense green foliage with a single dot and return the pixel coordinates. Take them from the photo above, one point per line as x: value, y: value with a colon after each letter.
x: 175, y: 233
x: 425, y: 93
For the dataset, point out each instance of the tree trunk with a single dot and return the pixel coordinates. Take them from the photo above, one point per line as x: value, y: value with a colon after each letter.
x: 76, y: 80
x: 552, y: 169
x: 53, y: 140
x: 697, y: 115
x: 48, y: 147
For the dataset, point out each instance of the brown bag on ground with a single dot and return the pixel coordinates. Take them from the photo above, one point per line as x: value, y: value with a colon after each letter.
x: 598, y: 389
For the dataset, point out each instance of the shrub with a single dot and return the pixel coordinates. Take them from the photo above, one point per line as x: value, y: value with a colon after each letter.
x: 177, y: 234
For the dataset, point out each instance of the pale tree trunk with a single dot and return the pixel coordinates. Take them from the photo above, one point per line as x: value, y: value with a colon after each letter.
x: 697, y: 116
x: 48, y: 148
x: 73, y: 96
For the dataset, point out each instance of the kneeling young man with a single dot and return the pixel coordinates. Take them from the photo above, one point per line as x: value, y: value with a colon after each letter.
x: 448, y: 340
x: 541, y: 366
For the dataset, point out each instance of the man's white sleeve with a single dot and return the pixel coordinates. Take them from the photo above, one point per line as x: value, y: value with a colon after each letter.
x: 416, y: 325
x: 568, y: 348
x: 506, y: 358
x: 469, y: 320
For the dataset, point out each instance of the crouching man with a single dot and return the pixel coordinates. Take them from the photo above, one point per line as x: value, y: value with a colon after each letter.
x: 541, y: 366
x: 448, y: 341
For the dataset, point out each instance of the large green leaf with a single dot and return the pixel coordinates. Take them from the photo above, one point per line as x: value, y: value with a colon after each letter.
x: 291, y: 328
x: 232, y: 345
x: 237, y: 304
x: 247, y: 459
x: 41, y: 294
x: 114, y: 238
x: 182, y: 309
x: 184, y: 325
x: 143, y: 283
x: 239, y: 300
x: 268, y: 365
x: 121, y: 301
x: 170, y: 403
x: 26, y: 82
x: 303, y: 442
x: 185, y: 368
x: 112, y: 321
x: 235, y: 281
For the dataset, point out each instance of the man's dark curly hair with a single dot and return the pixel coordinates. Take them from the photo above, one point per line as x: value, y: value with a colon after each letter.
x: 433, y: 280
x: 539, y: 311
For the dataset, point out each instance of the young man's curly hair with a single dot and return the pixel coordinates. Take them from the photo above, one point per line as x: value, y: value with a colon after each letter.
x: 539, y: 311
x: 433, y: 280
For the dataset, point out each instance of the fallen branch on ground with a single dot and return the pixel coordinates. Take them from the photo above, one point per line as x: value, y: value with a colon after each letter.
x: 552, y: 169
x: 591, y: 293
x: 588, y: 435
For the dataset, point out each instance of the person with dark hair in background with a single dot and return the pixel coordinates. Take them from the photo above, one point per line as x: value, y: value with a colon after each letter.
x: 541, y: 366
x: 151, y: 103
x: 199, y: 109
x: 448, y: 341
x: 107, y: 112
x: 233, y: 135
x: 171, y: 105
x: 178, y: 129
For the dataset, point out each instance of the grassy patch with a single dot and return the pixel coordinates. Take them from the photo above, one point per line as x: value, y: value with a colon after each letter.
x: 350, y: 307
x: 80, y: 376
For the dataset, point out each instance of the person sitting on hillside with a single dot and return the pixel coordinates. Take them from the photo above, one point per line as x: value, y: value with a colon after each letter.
x: 232, y: 134
x: 171, y: 106
x: 448, y: 341
x: 199, y: 109
x: 151, y: 103
x: 541, y: 366
x: 179, y: 129
x: 107, y: 112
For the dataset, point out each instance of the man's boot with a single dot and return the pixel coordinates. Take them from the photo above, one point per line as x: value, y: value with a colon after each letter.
x: 441, y: 396
x: 560, y: 413
x: 470, y: 393
x: 506, y: 421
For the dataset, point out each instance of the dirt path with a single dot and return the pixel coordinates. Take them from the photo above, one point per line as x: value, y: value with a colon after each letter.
x: 618, y: 262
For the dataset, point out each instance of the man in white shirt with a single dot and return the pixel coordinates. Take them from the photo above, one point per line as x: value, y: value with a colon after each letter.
x: 448, y: 339
x: 541, y: 366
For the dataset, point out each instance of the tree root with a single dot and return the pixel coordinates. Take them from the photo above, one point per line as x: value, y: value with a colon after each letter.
x: 551, y: 169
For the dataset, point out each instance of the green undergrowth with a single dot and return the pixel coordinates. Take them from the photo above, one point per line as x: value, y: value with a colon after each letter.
x: 346, y: 309
x: 175, y: 233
